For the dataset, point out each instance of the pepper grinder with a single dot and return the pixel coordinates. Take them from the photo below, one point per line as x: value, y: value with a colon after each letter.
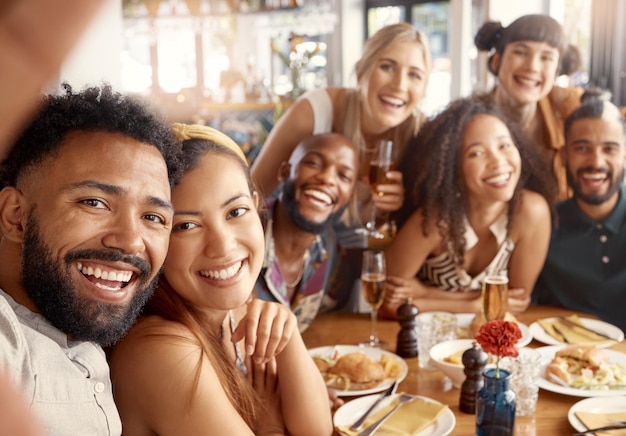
x: 474, y: 362
x: 407, y: 336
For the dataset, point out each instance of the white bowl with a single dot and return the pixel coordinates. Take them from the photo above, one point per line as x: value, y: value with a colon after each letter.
x: 445, y: 349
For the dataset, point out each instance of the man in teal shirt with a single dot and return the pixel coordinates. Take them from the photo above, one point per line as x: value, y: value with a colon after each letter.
x: 585, y: 269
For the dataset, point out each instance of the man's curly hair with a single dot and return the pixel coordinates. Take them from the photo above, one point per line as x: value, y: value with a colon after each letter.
x: 432, y: 170
x: 97, y: 109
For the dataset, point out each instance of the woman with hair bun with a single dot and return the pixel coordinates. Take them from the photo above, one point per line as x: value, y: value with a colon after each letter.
x: 526, y: 57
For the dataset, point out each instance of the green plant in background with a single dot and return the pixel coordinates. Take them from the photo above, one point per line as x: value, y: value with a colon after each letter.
x: 300, y: 53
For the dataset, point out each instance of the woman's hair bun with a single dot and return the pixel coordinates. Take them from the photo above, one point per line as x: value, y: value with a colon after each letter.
x: 571, y: 60
x: 594, y: 94
x: 488, y: 35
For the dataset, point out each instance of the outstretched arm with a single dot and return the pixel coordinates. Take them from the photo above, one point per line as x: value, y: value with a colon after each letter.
x: 293, y: 127
x: 35, y: 37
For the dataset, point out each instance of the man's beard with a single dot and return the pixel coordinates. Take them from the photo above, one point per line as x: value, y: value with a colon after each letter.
x: 51, y: 288
x: 292, y: 207
x: 594, y: 199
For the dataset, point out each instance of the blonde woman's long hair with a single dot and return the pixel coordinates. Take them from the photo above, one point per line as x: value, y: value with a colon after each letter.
x: 363, y: 69
x: 365, y: 66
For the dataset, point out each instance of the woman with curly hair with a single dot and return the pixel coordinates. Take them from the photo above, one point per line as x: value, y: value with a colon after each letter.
x: 480, y: 207
x: 526, y: 57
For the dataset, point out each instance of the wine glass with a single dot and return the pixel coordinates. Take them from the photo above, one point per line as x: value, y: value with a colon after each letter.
x: 380, y: 164
x: 495, y: 295
x: 373, y: 275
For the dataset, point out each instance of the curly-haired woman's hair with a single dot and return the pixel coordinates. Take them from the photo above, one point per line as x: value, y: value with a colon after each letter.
x: 540, y: 28
x: 170, y: 305
x: 432, y: 174
x: 92, y: 109
x: 595, y: 103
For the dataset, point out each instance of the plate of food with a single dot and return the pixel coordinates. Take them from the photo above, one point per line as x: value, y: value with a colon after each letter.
x: 466, y: 324
x: 443, y: 419
x: 575, y: 330
x: 604, y: 407
x: 352, y: 370
x: 582, y: 371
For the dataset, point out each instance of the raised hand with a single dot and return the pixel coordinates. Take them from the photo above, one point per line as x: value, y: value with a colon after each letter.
x: 267, y: 328
x: 392, y: 193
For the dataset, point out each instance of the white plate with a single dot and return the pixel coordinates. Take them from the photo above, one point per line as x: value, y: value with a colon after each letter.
x: 547, y: 354
x: 353, y: 410
x: 595, y: 405
x: 600, y: 326
x: 463, y: 321
x: 374, y: 354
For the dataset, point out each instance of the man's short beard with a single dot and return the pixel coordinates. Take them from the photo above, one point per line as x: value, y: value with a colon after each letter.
x: 51, y: 288
x: 595, y: 199
x: 292, y: 208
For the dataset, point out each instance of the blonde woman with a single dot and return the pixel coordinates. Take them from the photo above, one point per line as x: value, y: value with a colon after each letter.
x: 392, y: 75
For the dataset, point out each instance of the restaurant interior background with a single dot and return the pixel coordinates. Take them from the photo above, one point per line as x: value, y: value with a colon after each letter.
x: 237, y: 64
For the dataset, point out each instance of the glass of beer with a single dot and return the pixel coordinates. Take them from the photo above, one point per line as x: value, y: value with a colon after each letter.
x: 495, y: 296
x: 381, y: 163
x: 373, y: 275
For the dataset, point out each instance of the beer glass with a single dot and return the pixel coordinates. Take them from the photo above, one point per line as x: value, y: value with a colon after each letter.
x: 495, y: 295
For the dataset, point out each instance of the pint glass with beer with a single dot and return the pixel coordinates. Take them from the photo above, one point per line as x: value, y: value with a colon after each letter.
x: 495, y: 296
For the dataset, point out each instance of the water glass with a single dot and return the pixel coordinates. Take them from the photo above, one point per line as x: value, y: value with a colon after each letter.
x: 433, y: 328
x: 525, y: 374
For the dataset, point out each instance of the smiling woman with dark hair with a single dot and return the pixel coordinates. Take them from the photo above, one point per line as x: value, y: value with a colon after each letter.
x: 526, y: 57
x: 478, y: 209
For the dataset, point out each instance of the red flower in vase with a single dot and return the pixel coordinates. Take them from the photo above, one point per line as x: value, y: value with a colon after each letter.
x: 499, y: 338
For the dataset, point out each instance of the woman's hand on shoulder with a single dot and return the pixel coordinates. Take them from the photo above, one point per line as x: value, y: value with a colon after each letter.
x: 267, y: 328
x: 390, y: 195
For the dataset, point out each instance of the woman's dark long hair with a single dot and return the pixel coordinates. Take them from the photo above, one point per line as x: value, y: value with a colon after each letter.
x: 432, y: 177
x: 170, y: 305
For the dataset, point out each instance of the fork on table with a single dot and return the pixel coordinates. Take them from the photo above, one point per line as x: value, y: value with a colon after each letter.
x: 404, y: 398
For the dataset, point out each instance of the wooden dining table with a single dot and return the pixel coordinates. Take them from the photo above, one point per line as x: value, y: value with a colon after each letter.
x: 549, y: 419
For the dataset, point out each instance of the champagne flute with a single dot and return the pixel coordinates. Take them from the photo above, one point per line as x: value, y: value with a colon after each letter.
x: 373, y: 275
x: 380, y: 164
x: 495, y: 295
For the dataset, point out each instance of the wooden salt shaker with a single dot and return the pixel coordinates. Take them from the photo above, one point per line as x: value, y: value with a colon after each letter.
x: 407, y: 336
x: 474, y: 362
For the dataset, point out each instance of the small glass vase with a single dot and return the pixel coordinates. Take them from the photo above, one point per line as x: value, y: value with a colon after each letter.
x: 495, y: 405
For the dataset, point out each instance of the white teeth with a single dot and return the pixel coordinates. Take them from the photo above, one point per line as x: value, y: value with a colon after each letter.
x: 594, y: 176
x: 499, y: 179
x: 108, y: 288
x: 224, y: 273
x: 392, y: 100
x: 528, y: 82
x: 319, y: 195
x: 120, y: 276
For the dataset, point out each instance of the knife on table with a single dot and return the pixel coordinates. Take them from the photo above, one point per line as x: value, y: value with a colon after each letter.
x: 389, y: 391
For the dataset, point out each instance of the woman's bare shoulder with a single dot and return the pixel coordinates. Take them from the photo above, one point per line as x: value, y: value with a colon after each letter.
x: 153, y: 337
x: 533, y: 208
x: 534, y: 202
